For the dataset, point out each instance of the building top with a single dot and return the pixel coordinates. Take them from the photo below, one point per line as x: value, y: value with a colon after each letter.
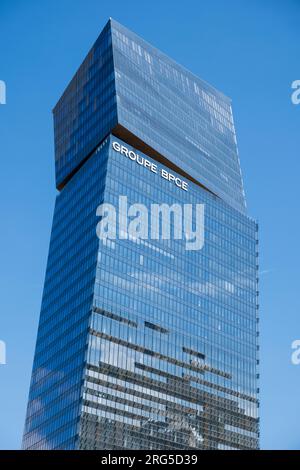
x: 127, y: 87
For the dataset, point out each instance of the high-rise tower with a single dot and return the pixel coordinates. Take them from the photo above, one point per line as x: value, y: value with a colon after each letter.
x: 143, y: 344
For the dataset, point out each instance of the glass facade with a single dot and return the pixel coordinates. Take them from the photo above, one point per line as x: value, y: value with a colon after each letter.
x: 128, y: 87
x: 176, y: 114
x: 87, y: 110
x: 143, y: 344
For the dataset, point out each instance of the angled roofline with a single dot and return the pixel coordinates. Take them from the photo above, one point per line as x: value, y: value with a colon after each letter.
x: 192, y: 74
x: 111, y: 21
x: 78, y: 68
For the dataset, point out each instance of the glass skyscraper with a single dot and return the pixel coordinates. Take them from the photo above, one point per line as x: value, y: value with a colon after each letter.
x: 143, y: 344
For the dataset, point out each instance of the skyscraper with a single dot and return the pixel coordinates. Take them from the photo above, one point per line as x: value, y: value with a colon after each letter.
x: 143, y: 343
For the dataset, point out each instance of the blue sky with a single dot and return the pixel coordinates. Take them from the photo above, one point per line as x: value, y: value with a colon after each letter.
x: 248, y: 50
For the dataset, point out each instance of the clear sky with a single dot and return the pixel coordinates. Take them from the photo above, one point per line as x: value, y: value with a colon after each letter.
x: 247, y: 49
